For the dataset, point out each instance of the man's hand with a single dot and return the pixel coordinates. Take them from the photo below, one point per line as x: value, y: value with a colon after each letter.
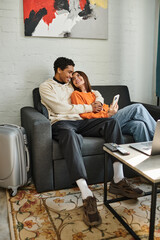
x: 113, y: 110
x: 97, y: 106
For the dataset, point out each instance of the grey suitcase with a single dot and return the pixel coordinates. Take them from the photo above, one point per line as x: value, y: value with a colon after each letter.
x: 14, y: 157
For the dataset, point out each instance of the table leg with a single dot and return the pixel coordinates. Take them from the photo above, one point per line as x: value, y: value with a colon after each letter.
x: 105, y: 176
x: 153, y: 211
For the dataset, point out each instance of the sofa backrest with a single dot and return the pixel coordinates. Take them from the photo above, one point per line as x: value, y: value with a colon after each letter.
x: 107, y: 91
x: 37, y: 103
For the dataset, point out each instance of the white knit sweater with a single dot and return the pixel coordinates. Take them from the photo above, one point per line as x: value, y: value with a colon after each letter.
x: 56, y: 98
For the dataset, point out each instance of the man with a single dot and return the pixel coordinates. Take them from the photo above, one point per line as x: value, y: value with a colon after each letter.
x: 68, y: 128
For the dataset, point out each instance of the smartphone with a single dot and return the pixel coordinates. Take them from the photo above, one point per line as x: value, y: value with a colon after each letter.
x: 115, y: 100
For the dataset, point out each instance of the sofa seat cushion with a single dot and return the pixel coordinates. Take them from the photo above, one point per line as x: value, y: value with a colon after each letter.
x: 91, y: 146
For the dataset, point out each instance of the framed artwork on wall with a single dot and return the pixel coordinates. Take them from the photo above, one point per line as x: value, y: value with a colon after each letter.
x: 66, y: 18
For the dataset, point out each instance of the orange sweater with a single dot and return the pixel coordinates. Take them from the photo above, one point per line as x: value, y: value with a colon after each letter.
x: 88, y: 98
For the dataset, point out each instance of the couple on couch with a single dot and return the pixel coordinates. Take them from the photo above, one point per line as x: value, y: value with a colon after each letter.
x: 74, y: 114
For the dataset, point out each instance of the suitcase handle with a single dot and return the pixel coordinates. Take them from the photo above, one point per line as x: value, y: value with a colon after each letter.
x: 10, y: 125
x: 27, y: 159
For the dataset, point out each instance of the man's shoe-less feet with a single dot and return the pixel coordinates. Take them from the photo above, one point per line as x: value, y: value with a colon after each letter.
x: 125, y: 189
x: 91, y: 215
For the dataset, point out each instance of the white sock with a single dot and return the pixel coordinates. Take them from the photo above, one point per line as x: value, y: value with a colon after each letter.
x: 118, y: 172
x: 85, y: 191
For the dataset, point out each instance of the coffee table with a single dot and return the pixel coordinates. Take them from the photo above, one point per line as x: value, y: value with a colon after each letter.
x: 147, y: 167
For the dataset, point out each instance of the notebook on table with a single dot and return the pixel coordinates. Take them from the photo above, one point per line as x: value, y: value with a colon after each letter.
x: 151, y: 147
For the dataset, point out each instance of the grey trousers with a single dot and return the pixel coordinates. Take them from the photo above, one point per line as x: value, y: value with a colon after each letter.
x: 70, y: 135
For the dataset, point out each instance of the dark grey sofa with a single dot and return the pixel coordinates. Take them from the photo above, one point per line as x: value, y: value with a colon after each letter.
x: 48, y: 166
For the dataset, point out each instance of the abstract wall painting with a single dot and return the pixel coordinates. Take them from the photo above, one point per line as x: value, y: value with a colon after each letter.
x: 66, y: 18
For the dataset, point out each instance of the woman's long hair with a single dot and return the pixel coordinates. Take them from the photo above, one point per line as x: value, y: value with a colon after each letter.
x: 86, y: 81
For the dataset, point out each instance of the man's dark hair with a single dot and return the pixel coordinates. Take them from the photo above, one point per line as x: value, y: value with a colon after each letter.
x: 62, y: 63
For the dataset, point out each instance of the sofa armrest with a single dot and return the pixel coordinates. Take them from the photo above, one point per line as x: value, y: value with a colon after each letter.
x: 39, y: 134
x: 152, y: 109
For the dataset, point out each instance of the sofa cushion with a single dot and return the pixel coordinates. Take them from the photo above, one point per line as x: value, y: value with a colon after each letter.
x: 91, y: 146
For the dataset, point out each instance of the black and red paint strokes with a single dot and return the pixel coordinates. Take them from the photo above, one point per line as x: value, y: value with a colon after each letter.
x: 49, y: 10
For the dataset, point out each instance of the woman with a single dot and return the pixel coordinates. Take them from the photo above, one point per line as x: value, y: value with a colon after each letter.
x: 127, y: 118
x: 83, y: 94
x: 134, y: 119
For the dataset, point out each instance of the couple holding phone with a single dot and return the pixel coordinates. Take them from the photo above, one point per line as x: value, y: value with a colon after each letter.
x: 83, y: 94
x: 68, y: 128
x: 84, y: 97
x: 133, y: 119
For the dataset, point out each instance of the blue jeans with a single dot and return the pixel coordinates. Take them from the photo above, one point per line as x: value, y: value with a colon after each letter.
x: 135, y: 120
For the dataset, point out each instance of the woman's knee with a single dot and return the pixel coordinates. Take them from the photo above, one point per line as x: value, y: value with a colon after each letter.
x: 139, y: 106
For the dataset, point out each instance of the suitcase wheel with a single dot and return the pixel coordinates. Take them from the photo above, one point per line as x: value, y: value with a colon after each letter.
x: 12, y: 192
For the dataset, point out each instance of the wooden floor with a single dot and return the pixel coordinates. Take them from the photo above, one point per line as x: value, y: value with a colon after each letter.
x: 4, y: 225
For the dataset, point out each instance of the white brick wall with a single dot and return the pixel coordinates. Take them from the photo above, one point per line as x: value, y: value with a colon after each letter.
x: 125, y: 58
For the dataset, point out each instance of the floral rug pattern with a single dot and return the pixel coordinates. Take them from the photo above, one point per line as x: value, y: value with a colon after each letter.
x: 58, y: 215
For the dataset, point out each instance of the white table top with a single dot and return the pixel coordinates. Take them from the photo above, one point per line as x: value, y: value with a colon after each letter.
x: 147, y: 166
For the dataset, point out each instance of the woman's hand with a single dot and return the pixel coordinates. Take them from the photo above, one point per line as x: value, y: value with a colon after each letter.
x: 97, y: 106
x: 113, y: 110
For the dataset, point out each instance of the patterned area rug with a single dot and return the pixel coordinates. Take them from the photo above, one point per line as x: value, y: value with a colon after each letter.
x: 58, y: 215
